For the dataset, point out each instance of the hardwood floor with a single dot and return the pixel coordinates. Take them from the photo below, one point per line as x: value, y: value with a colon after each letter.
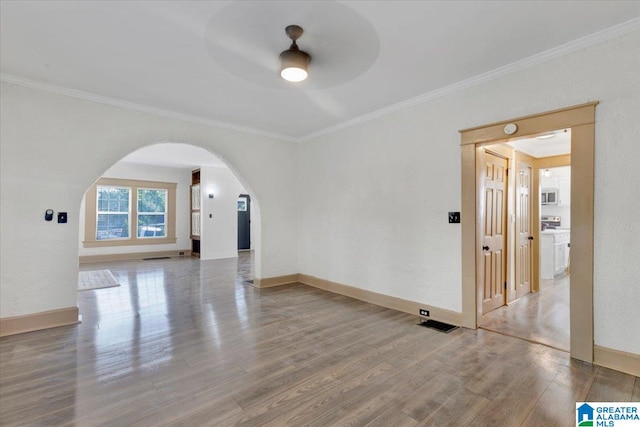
x: 188, y: 342
x: 541, y: 317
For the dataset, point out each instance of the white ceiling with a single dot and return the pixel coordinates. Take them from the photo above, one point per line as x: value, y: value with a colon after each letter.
x: 545, y: 145
x: 174, y: 155
x: 216, y: 62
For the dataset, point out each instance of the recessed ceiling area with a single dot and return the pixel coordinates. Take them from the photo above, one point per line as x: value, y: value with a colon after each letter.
x: 547, y: 144
x: 342, y: 43
x: 216, y: 62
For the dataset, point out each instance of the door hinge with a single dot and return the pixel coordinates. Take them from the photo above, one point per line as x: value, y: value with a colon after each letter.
x: 505, y: 286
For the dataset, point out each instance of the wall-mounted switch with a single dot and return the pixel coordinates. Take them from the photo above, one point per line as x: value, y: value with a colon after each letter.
x: 454, y: 217
x: 62, y: 217
x: 210, y: 216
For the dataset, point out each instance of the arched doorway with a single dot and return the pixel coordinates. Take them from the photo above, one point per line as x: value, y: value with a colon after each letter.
x: 117, y: 229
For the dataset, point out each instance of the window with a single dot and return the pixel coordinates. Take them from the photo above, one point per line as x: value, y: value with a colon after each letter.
x: 152, y: 212
x: 113, y: 213
x: 127, y: 212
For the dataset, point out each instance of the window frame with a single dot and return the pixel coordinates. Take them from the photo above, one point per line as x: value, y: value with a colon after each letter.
x: 99, y: 212
x: 163, y: 213
x: 91, y: 213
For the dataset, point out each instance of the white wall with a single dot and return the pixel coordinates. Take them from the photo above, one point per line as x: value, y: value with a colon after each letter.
x: 122, y: 170
x: 372, y: 200
x: 219, y: 234
x: 54, y: 147
x: 374, y: 197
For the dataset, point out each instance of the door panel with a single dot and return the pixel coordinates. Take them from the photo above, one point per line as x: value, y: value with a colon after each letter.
x: 492, y: 266
x: 244, y: 222
x: 523, y: 229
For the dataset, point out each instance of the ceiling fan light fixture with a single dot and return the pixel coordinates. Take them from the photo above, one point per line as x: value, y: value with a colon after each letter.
x: 294, y: 63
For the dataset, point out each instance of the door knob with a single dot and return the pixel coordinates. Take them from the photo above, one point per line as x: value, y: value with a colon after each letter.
x: 530, y: 237
x: 485, y: 248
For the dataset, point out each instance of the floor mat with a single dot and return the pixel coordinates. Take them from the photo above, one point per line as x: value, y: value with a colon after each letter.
x: 97, y: 279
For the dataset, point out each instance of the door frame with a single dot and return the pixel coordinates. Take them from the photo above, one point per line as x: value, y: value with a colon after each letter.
x: 581, y: 120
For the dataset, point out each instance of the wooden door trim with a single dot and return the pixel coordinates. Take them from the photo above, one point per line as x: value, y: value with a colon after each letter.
x: 553, y: 162
x: 542, y: 163
x: 581, y: 120
x: 533, y: 124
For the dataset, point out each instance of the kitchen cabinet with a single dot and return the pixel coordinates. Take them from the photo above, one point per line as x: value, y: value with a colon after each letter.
x: 564, y: 191
x: 554, y: 252
x: 548, y: 183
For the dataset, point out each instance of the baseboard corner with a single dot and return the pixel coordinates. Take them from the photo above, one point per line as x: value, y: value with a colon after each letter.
x: 270, y: 282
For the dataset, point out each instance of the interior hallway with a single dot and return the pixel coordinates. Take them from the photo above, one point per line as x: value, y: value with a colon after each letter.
x: 189, y: 342
x: 541, y: 317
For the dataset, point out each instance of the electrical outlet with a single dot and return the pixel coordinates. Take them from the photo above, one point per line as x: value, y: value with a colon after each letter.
x: 181, y: 253
x: 424, y: 313
x: 454, y: 217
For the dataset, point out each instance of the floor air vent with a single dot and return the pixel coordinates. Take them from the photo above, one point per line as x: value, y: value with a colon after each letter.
x: 155, y: 258
x: 439, y: 326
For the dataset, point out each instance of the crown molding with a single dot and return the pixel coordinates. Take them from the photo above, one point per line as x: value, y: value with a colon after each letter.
x: 556, y: 52
x: 87, y: 96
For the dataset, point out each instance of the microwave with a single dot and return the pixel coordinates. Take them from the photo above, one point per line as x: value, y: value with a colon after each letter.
x: 549, y: 196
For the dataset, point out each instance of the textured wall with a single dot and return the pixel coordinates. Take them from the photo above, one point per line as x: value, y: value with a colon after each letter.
x: 371, y: 200
x: 54, y: 147
x: 376, y: 195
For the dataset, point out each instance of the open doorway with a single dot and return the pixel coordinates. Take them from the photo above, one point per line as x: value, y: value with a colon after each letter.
x: 581, y: 120
x: 526, y: 188
x: 244, y: 222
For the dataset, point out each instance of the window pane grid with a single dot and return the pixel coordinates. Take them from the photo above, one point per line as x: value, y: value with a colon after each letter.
x: 130, y: 212
x: 152, y: 206
x: 113, y: 213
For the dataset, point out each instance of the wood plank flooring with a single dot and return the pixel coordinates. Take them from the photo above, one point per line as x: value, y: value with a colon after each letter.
x: 188, y: 342
x: 541, y: 317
